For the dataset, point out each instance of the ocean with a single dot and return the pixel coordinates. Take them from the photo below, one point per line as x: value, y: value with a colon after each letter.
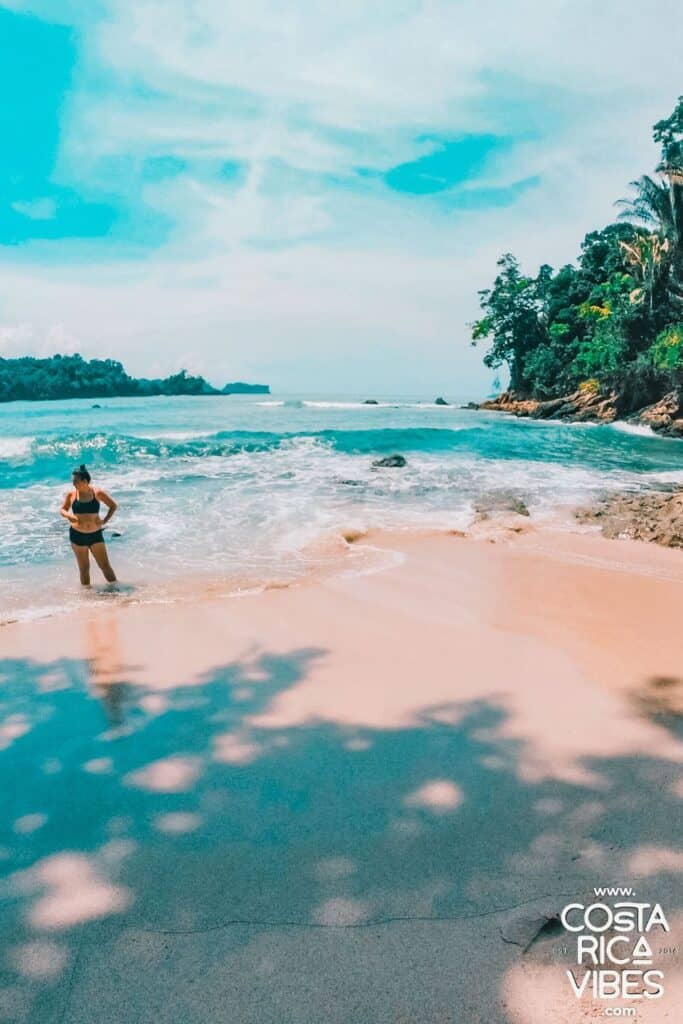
x: 244, y: 490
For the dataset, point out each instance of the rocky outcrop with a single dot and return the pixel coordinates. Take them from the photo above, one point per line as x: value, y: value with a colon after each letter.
x: 664, y: 416
x: 440, y: 401
x: 389, y: 462
x: 655, y: 516
x: 589, y: 404
x: 501, y: 502
x: 370, y: 401
x: 584, y: 404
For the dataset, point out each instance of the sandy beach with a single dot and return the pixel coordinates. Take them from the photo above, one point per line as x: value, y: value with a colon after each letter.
x: 357, y: 799
x: 341, y: 513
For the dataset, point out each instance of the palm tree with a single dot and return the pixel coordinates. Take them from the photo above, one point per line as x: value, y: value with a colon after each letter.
x: 646, y: 254
x: 650, y: 206
x: 658, y: 206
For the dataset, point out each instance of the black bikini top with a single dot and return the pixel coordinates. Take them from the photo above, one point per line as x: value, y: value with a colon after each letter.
x: 83, y: 507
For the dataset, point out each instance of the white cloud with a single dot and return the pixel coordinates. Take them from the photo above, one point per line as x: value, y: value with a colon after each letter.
x: 288, y: 275
x: 401, y: 63
x: 39, y: 337
x: 36, y: 209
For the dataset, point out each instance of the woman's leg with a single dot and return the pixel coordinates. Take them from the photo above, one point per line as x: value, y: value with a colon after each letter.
x: 83, y: 559
x: 99, y: 553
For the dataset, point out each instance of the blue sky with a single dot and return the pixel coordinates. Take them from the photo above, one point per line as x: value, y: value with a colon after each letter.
x: 306, y: 194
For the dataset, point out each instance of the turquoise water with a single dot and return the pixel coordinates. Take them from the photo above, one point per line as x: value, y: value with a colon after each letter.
x: 253, y: 487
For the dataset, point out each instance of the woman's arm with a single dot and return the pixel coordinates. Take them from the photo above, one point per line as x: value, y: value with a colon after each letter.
x: 65, y: 510
x: 109, y: 502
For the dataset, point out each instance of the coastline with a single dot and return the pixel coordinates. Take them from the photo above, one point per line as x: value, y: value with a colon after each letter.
x: 291, y: 475
x: 663, y: 415
x: 69, y: 376
x: 650, y: 519
x: 423, y: 763
x: 367, y: 706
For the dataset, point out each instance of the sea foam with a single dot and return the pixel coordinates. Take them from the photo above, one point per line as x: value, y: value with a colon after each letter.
x: 255, y: 489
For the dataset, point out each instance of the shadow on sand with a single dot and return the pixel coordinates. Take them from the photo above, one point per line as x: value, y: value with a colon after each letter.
x: 166, y: 860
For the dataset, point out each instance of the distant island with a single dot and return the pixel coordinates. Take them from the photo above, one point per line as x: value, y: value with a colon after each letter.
x: 238, y: 387
x: 602, y: 339
x: 31, y: 379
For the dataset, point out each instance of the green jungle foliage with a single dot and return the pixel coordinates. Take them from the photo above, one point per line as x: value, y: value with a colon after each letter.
x: 74, y: 377
x: 614, y: 315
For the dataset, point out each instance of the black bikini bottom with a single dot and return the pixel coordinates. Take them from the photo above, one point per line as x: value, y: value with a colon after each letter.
x: 85, y: 540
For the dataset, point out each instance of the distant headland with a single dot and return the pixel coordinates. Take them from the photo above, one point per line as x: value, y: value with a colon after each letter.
x: 238, y: 387
x: 31, y: 379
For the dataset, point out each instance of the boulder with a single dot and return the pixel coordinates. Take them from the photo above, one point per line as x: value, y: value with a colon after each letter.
x: 389, y: 462
x: 440, y: 401
x: 510, y: 402
x: 370, y: 401
x: 664, y: 416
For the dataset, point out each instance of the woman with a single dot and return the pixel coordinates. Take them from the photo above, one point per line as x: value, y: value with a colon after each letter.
x: 82, y: 509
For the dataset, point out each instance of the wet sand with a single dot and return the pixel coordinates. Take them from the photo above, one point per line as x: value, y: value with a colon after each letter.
x: 356, y: 799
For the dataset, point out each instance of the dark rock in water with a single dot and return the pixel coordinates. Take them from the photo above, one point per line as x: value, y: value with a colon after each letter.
x: 470, y: 405
x: 440, y: 401
x: 389, y: 462
x: 95, y: 406
x: 370, y: 401
x: 114, y: 533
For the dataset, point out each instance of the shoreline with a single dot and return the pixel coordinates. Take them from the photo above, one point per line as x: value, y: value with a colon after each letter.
x: 335, y: 555
x: 621, y: 519
x: 508, y: 554
x: 461, y: 743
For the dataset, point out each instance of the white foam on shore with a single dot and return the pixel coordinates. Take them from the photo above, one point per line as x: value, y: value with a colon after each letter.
x: 264, y: 508
x: 270, y: 505
x: 34, y: 613
x: 672, y: 477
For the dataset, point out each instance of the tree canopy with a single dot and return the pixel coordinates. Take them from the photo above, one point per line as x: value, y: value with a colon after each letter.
x: 74, y: 377
x: 618, y: 309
